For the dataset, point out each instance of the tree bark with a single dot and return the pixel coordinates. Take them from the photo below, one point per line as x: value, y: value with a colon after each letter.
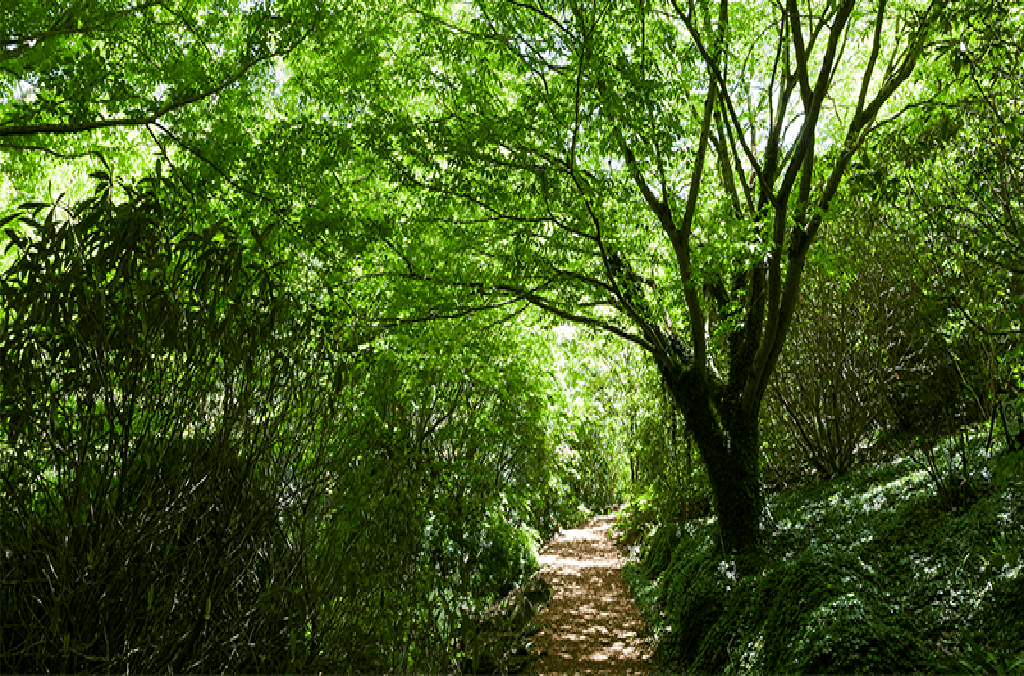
x: 728, y: 441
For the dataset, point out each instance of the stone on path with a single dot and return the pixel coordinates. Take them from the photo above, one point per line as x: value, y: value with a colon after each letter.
x: 591, y: 624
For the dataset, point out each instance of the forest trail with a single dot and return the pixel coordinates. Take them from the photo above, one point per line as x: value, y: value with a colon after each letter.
x: 592, y: 624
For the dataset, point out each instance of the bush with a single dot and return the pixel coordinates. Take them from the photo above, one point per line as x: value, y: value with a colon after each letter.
x: 852, y: 345
x: 828, y: 386
x: 200, y: 473
x: 952, y: 465
x: 818, y: 612
x: 660, y: 547
x: 950, y: 383
x: 151, y: 415
x: 873, y: 347
x: 694, y: 594
x: 509, y: 556
x: 181, y: 562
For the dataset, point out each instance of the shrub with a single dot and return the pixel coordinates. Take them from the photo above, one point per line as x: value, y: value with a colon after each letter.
x: 509, y: 555
x: 661, y: 545
x: 952, y: 465
x: 851, y: 634
x: 828, y: 617
x: 950, y: 382
x: 859, y: 340
x: 152, y: 403
x: 828, y: 386
x: 694, y: 592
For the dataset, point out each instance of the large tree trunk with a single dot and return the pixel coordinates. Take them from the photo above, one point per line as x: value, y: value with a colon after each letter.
x: 728, y: 442
x: 735, y: 474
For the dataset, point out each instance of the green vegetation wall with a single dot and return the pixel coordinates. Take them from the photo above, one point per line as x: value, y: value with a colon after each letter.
x: 208, y: 466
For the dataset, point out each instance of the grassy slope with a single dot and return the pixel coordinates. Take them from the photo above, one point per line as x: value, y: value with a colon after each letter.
x: 869, y: 573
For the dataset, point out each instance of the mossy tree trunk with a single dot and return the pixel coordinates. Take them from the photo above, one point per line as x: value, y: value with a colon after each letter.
x: 728, y: 440
x: 600, y: 196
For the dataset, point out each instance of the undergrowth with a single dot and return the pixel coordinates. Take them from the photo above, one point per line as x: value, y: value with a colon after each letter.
x: 876, y: 571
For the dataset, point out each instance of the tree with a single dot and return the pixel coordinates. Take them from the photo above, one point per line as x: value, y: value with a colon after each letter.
x: 657, y: 170
x: 959, y: 159
x: 105, y: 84
x: 74, y: 67
x: 204, y: 467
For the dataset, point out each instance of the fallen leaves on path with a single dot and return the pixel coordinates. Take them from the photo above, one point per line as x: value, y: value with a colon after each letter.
x: 592, y: 624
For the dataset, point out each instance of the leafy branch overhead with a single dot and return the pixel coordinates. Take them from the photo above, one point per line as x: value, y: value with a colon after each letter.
x: 541, y: 149
x: 319, y: 316
x: 603, y: 163
x: 85, y: 70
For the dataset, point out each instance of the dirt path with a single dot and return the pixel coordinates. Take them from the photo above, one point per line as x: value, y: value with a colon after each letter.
x: 592, y: 624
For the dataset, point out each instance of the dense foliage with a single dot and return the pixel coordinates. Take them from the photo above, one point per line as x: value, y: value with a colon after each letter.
x: 201, y: 472
x: 317, y: 318
x: 870, y: 573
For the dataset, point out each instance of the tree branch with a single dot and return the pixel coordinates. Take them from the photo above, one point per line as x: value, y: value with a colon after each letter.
x: 140, y: 120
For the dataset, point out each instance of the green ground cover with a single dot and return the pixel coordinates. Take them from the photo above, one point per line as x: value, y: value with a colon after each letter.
x: 870, y: 572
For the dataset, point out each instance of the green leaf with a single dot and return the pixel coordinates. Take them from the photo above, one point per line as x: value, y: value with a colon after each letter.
x: 34, y: 207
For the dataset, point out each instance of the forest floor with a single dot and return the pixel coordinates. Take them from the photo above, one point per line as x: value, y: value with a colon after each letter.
x: 592, y: 624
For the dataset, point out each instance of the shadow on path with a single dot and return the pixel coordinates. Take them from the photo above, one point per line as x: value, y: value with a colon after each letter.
x: 592, y: 624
